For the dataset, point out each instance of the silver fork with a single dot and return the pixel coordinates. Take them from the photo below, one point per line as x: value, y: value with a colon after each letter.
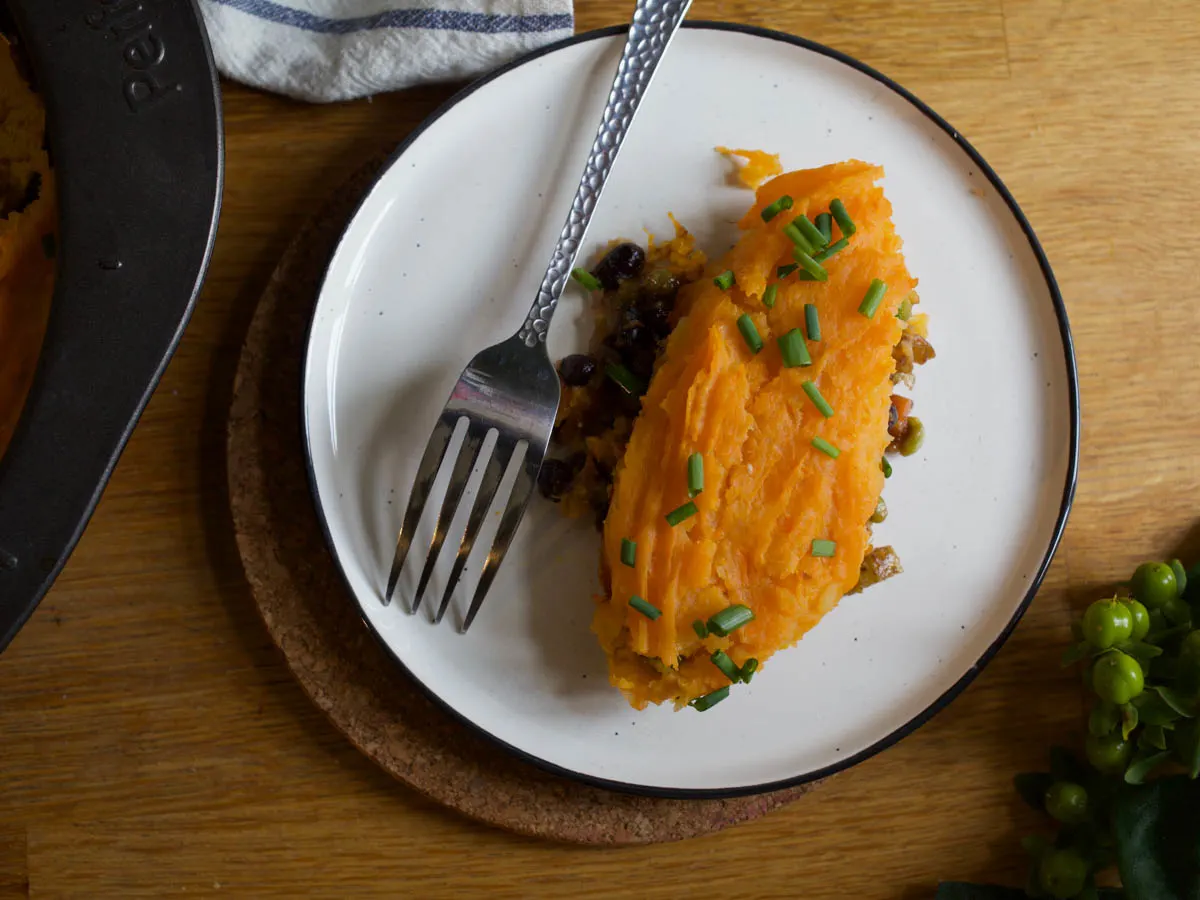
x: 511, y: 387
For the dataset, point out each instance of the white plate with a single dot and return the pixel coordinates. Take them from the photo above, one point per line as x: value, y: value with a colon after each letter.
x: 444, y: 256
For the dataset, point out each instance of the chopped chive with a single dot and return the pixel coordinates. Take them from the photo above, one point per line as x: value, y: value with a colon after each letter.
x: 730, y: 619
x: 721, y: 660
x: 812, y: 322
x: 904, y: 313
x: 810, y: 265
x: 625, y: 379
x: 814, y: 234
x: 804, y: 276
x: 770, y: 212
x: 886, y: 466
x: 681, y: 513
x: 647, y: 609
x: 836, y: 247
x: 708, y: 701
x: 793, y: 350
x: 827, y: 448
x: 725, y: 280
x: 814, y: 394
x: 873, y: 298
x: 695, y: 474
x: 769, y: 295
x: 825, y: 225
x: 749, y: 332
x: 823, y: 549
x: 628, y: 552
x: 589, y: 281
x: 748, y: 670
x: 785, y: 271
x: 700, y: 628
x: 796, y: 236
x: 838, y: 208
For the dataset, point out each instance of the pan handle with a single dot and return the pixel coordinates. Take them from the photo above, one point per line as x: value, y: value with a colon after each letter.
x: 134, y: 123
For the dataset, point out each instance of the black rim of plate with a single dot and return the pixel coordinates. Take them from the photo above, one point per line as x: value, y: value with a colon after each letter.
x: 1035, y: 583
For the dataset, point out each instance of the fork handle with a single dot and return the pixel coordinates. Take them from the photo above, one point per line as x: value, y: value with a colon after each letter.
x: 654, y: 24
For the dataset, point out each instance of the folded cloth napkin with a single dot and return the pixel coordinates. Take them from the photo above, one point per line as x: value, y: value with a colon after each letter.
x: 325, y: 50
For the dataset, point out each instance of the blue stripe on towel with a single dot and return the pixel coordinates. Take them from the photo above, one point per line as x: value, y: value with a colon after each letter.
x: 432, y: 19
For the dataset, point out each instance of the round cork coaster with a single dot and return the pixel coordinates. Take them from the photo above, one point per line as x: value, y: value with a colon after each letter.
x: 314, y: 621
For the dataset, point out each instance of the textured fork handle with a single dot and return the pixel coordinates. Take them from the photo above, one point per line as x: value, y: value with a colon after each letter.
x: 654, y: 24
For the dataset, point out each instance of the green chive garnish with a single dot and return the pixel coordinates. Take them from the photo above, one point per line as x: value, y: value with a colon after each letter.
x: 796, y: 236
x: 770, y: 212
x: 695, y: 474
x: 589, y: 281
x: 730, y: 619
x: 769, y: 295
x: 812, y: 323
x: 836, y: 247
x: 810, y: 265
x: 700, y: 628
x: 682, y: 513
x: 904, y: 313
x: 785, y: 271
x: 649, y: 610
x: 814, y: 394
x: 838, y: 208
x: 823, y: 549
x: 721, y: 660
x: 749, y: 669
x: 873, y: 298
x: 628, y: 552
x: 886, y: 466
x: 625, y: 379
x: 749, y: 332
x: 708, y: 701
x: 793, y: 350
x: 827, y: 448
x: 725, y: 280
x: 825, y: 225
x: 810, y: 231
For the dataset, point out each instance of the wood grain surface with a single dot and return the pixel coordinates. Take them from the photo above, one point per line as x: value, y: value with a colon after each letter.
x: 152, y: 743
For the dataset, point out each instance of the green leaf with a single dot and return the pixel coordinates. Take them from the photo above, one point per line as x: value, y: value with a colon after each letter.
x: 1165, y: 634
x: 1141, y: 651
x: 1143, y: 765
x: 961, y: 890
x: 1032, y: 787
x: 1175, y: 700
x: 1153, y: 709
x: 1158, y: 840
x: 1153, y: 738
x: 1129, y: 719
x: 1075, y: 653
x: 1187, y: 746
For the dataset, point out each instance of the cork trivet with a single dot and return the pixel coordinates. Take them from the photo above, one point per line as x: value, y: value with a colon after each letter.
x: 314, y: 621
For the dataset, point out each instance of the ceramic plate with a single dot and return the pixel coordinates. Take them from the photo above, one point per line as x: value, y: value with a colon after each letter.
x: 444, y: 257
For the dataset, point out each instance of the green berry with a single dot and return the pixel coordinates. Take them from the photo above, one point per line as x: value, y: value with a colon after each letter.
x: 1067, y: 802
x: 1062, y: 874
x: 1107, y: 622
x: 1117, y: 677
x: 1103, y: 719
x: 1109, y: 754
x: 1154, y: 584
x: 1177, y: 611
x: 1141, y: 619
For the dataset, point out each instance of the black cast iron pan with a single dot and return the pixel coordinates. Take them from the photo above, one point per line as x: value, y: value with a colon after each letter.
x: 134, y: 129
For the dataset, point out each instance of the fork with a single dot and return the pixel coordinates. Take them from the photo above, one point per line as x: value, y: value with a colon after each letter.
x: 512, y: 388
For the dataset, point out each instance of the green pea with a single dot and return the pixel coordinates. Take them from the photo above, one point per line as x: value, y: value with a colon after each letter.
x: 1107, y: 622
x: 1109, y: 754
x: 1177, y: 611
x: 914, y: 438
x: 1067, y: 802
x: 1154, y: 584
x: 1062, y: 874
x: 1117, y: 677
x: 1141, y: 619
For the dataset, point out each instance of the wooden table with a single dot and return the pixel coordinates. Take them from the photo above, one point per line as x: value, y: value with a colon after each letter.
x: 152, y: 742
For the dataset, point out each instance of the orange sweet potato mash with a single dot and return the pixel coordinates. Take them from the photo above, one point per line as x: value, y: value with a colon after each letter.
x: 768, y: 493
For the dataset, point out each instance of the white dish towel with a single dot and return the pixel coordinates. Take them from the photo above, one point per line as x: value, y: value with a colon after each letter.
x: 326, y: 50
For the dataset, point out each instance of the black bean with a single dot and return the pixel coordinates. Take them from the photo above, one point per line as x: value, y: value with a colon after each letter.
x: 656, y: 317
x: 639, y: 359
x: 554, y: 479
x: 577, y: 369
x: 893, y: 417
x: 621, y: 263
